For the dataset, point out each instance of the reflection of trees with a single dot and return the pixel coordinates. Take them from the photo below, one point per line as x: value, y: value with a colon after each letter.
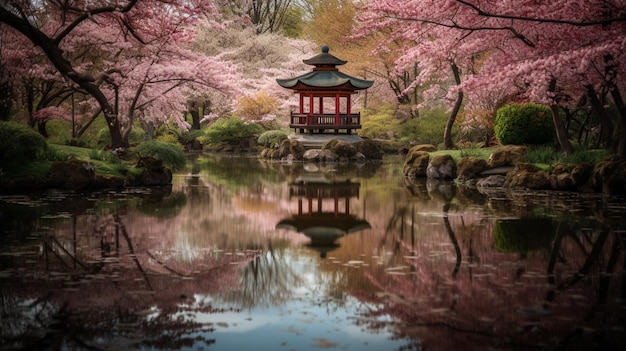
x: 90, y: 283
x: 267, y: 280
x: 451, y: 300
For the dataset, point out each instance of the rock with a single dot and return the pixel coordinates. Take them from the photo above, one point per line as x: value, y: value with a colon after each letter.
x: 526, y: 175
x: 312, y: 155
x: 508, y: 155
x: 284, y: 149
x: 296, y: 149
x: 154, y: 173
x: 358, y: 157
x: 602, y: 171
x: 416, y: 164
x: 470, y: 167
x: 328, y: 156
x: 72, y: 174
x: 369, y: 149
x: 344, y: 149
x: 570, y: 176
x: 492, y: 181
x: 441, y: 167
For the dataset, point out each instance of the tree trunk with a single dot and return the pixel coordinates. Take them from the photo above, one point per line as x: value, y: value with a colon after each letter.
x: 559, y: 126
x: 54, y: 53
x: 447, y: 134
x: 619, y: 133
x: 195, y: 119
x: 605, y: 121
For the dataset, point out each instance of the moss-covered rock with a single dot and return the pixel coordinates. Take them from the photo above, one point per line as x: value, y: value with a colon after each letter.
x: 441, y: 167
x: 470, y: 167
x: 529, y: 176
x: 416, y: 164
x: 508, y: 155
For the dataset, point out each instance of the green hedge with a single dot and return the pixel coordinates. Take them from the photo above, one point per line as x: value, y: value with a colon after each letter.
x: 519, y: 124
x: 19, y: 144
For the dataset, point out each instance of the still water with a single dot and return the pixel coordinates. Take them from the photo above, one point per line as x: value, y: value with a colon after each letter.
x: 240, y: 254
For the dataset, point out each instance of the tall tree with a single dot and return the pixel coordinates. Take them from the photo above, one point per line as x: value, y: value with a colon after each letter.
x: 541, y: 51
x: 138, y: 61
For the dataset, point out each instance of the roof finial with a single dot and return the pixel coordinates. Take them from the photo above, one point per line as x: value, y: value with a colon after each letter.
x: 325, y: 49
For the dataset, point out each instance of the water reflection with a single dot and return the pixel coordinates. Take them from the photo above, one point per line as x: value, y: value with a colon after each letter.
x: 231, y: 257
x: 328, y: 221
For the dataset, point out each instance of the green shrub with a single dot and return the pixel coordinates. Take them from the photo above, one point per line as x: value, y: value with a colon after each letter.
x: 428, y: 128
x: 379, y: 123
x: 19, y: 144
x: 169, y: 139
x: 188, y: 137
x: 271, y: 138
x: 228, y: 130
x: 171, y: 155
x: 519, y: 124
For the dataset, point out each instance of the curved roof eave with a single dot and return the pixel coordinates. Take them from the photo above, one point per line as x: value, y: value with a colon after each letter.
x: 325, y: 79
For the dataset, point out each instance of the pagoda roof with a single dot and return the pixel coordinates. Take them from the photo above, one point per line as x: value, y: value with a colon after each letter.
x: 324, y: 59
x: 325, y: 79
x: 325, y: 75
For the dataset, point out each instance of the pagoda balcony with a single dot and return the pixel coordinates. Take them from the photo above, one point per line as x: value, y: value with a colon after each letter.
x: 321, y: 123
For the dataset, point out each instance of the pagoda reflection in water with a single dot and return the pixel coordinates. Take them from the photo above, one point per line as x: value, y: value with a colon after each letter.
x: 322, y: 226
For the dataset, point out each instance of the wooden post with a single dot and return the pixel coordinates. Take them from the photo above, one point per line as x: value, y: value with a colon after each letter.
x: 337, y: 107
x: 301, y: 104
x: 321, y: 105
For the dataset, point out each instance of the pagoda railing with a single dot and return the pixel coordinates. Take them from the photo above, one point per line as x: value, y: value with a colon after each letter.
x: 325, y: 121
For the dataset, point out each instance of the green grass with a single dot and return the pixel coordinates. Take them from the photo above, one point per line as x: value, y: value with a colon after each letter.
x: 105, y: 163
x: 481, y: 153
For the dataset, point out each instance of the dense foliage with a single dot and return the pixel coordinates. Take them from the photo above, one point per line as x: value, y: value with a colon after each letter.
x: 171, y: 155
x: 519, y: 124
x: 231, y: 129
x: 19, y: 144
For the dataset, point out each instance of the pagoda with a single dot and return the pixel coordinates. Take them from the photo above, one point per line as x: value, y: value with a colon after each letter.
x: 325, y: 96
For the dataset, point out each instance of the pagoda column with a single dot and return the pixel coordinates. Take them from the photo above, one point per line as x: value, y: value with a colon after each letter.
x: 337, y: 108
x: 321, y: 102
x: 301, y: 103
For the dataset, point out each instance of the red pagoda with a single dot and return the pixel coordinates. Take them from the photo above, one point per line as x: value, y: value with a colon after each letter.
x: 325, y: 84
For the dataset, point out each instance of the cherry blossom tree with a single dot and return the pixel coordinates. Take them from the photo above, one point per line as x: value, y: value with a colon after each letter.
x: 131, y: 57
x: 551, y: 52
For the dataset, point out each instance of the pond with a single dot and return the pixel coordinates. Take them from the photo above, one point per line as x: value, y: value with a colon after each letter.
x: 243, y: 254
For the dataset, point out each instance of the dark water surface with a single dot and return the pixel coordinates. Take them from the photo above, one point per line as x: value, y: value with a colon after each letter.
x: 245, y: 255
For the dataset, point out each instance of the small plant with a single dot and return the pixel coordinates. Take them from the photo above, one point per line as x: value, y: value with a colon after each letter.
x: 518, y: 124
x: 171, y: 155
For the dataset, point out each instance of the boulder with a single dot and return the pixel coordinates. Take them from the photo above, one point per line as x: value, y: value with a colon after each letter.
x: 526, y: 175
x: 416, y: 164
x: 441, y: 167
x: 508, y: 155
x: 296, y: 149
x: 470, y: 167
x: 312, y: 155
x: 344, y: 149
x: 369, y: 149
x: 72, y: 174
x: 154, y: 172
x: 570, y: 176
x: 604, y: 170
